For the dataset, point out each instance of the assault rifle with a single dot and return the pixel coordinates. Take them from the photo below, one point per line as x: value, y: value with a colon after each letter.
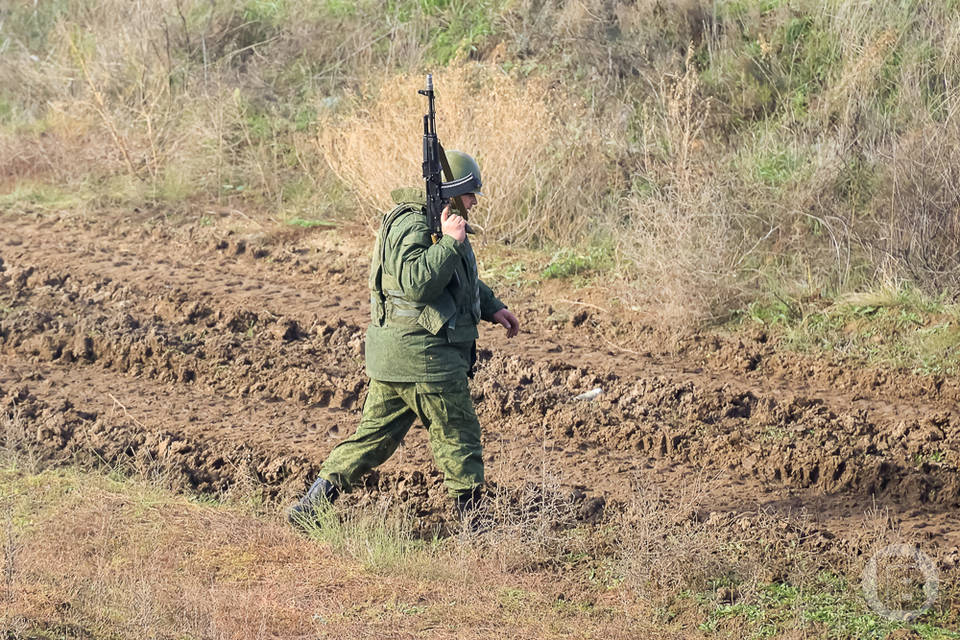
x: 435, y: 168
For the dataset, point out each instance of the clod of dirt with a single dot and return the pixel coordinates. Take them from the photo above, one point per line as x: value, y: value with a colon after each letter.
x: 286, y: 329
x: 579, y: 318
x: 592, y: 509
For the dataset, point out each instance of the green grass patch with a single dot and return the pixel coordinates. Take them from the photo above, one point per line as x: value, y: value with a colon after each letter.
x: 310, y: 224
x: 777, y: 61
x: 272, y: 12
x: 32, y: 196
x: 32, y: 23
x: 456, y: 28
x: 566, y: 263
x: 131, y: 559
x: 830, y: 608
x: 464, y: 26
x: 502, y: 268
x: 340, y: 8
x: 901, y: 328
x: 380, y: 538
x: 777, y: 168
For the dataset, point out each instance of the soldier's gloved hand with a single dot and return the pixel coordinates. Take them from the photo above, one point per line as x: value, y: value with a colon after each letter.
x: 508, y: 320
x: 453, y: 225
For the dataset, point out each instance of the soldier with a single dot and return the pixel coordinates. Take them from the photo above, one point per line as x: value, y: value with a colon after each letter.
x: 426, y: 301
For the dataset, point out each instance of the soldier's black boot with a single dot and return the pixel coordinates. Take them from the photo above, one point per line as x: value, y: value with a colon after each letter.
x: 321, y: 492
x: 468, y: 509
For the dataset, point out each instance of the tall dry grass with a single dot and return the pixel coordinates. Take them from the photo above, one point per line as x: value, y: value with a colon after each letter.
x: 163, y: 103
x: 542, y: 156
x: 134, y: 560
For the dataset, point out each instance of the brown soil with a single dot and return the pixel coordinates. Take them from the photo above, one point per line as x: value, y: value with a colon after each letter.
x: 229, y: 352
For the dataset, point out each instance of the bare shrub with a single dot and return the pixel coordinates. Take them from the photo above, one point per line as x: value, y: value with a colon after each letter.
x: 684, y: 255
x: 17, y: 446
x: 544, y: 167
x: 663, y: 547
x: 679, y: 229
x: 529, y: 527
x: 919, y: 235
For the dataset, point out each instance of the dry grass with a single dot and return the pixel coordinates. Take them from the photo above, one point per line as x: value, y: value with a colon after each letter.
x: 546, y: 161
x: 664, y: 549
x: 542, y: 164
x: 15, y: 443
x: 133, y: 561
x: 142, y: 99
x: 717, y: 151
x: 682, y: 239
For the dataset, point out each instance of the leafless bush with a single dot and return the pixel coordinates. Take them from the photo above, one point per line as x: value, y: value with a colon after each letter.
x: 544, y: 167
x: 527, y: 528
x: 663, y: 547
x: 17, y: 445
x: 920, y: 236
x: 679, y: 230
x: 685, y: 255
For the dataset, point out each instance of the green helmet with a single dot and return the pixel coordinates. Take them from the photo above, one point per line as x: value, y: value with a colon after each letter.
x: 462, y: 165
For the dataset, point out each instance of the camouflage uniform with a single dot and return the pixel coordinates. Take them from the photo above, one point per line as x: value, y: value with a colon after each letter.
x: 426, y: 301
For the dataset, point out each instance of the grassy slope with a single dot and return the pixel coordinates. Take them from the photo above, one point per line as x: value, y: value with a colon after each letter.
x: 103, y: 557
x: 96, y: 556
x: 719, y: 153
x: 893, y: 328
x: 798, y: 152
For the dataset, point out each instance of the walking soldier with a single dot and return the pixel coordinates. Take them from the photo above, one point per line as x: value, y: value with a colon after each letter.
x: 426, y: 301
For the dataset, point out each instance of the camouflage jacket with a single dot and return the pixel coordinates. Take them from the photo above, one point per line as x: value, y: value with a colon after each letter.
x: 425, y: 299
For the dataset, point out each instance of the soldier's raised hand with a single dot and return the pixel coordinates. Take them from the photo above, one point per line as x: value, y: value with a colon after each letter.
x: 453, y: 225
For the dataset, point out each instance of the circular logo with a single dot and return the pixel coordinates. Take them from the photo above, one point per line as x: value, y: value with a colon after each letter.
x: 899, y: 561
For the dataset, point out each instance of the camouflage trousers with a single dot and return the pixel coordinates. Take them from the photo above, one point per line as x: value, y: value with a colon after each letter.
x: 444, y: 408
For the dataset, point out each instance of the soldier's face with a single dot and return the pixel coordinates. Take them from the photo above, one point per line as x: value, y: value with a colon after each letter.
x: 469, y: 199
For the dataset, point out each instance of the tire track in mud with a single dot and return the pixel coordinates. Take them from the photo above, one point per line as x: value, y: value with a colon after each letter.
x: 274, y: 361
x: 129, y: 320
x: 68, y: 415
x: 796, y: 441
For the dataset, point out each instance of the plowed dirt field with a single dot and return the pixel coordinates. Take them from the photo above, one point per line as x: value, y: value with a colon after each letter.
x: 231, y: 351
